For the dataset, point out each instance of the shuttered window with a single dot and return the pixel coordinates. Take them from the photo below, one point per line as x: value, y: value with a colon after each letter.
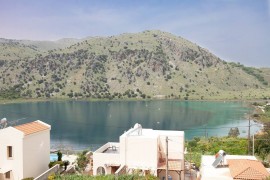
x: 9, y: 152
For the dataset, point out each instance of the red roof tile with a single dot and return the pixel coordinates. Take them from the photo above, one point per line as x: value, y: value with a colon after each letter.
x: 32, y: 127
x: 247, y: 169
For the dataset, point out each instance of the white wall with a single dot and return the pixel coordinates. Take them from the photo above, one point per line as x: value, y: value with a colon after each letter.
x: 100, y: 158
x: 11, y: 137
x: 122, y: 149
x: 141, y: 152
x: 36, y: 153
x: 175, y: 146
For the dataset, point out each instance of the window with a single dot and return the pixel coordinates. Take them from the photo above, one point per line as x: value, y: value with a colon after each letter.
x: 9, y: 152
x: 7, y: 174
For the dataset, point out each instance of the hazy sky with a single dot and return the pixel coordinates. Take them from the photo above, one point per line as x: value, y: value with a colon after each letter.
x: 234, y: 30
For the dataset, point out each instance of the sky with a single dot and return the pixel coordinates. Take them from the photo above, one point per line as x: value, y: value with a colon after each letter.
x: 234, y: 30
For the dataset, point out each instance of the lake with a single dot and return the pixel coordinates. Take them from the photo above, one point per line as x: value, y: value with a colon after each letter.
x: 82, y: 124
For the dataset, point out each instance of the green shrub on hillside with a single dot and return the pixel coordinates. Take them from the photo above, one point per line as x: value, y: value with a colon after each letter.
x: 251, y: 71
x: 11, y: 93
x: 231, y: 145
x: 201, y: 146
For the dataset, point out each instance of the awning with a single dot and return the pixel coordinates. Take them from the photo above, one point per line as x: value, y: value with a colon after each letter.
x: 173, y: 165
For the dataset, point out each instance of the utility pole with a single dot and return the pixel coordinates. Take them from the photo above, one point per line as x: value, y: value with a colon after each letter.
x: 167, y: 166
x: 190, y: 164
x: 253, y: 146
x: 249, y: 134
x: 205, y: 131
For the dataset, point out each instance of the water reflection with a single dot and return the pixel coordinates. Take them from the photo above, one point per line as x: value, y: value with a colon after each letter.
x: 82, y: 124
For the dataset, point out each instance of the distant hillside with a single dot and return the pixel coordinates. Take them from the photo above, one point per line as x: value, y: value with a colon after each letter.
x: 50, y: 45
x: 151, y: 64
x: 19, y: 49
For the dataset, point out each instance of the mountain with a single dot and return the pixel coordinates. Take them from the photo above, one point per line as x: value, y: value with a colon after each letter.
x: 150, y: 64
x: 19, y: 49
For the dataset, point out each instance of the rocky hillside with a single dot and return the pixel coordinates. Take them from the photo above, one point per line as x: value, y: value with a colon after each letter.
x: 151, y: 64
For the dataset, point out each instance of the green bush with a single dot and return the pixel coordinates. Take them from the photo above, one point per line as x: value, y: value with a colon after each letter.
x: 82, y: 160
x: 53, y: 163
x: 51, y: 176
x: 234, y: 132
x: 66, y: 163
x: 202, y: 146
x: 11, y: 93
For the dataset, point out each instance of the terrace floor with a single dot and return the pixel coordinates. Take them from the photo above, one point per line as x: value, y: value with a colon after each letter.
x: 112, y: 150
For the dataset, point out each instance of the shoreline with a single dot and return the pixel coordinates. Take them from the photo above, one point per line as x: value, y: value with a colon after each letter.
x: 13, y: 101
x: 255, y: 115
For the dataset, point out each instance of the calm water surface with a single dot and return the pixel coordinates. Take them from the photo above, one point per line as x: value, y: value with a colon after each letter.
x: 83, y: 124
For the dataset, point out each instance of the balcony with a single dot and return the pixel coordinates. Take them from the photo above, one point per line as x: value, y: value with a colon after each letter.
x: 109, y: 153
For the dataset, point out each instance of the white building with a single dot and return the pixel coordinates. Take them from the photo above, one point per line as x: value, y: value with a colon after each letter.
x: 24, y: 150
x: 232, y: 167
x: 143, y: 151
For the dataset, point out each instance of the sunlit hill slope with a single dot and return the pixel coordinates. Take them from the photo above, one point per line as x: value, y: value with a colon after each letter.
x: 151, y: 64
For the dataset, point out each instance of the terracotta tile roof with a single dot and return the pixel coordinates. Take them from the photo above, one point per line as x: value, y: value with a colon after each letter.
x: 32, y: 127
x: 174, y: 165
x: 247, y: 169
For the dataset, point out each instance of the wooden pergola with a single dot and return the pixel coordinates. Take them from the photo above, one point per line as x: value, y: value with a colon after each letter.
x: 173, y: 165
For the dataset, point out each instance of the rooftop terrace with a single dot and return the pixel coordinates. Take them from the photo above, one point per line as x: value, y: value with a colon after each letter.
x: 109, y: 148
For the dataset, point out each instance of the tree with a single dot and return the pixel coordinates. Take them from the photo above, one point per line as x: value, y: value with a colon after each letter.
x: 59, y: 156
x: 262, y: 144
x: 66, y: 163
x: 234, y: 132
x: 82, y: 160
